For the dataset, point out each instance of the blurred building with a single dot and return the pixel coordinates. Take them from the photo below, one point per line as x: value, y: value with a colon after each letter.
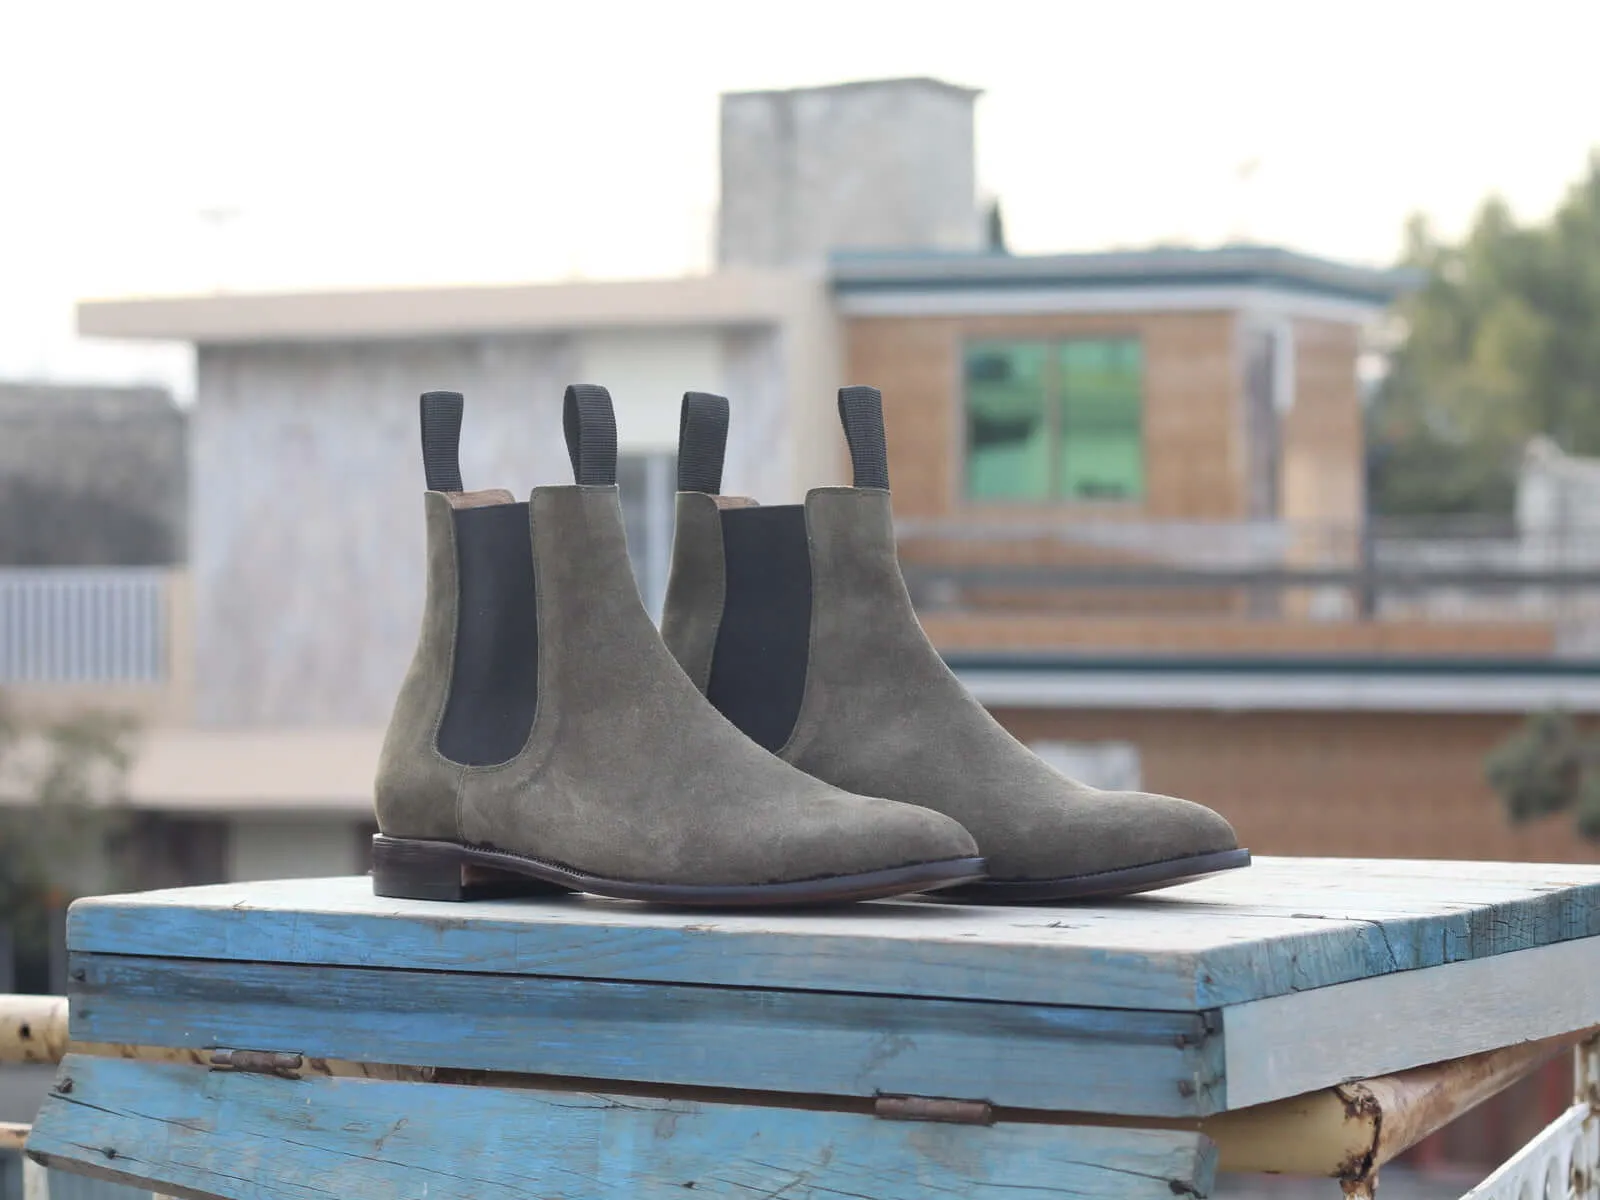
x: 93, y: 530
x: 1130, y: 490
x: 91, y: 476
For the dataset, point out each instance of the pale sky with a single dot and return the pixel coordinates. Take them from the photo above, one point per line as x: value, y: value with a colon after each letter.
x: 361, y: 142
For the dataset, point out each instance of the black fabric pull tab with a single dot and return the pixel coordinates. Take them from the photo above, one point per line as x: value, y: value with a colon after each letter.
x: 441, y: 440
x: 702, y: 442
x: 591, y: 427
x: 861, y: 413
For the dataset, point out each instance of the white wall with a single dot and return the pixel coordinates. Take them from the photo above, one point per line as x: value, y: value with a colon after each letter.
x: 307, y: 534
x: 298, y: 847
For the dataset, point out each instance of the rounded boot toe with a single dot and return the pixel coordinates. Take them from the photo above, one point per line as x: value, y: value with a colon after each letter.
x: 870, y: 834
x: 908, y: 834
x: 1178, y: 828
x: 1097, y: 832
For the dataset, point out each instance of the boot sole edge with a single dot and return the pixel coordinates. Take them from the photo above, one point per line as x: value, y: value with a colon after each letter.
x: 415, y: 869
x: 1125, y: 881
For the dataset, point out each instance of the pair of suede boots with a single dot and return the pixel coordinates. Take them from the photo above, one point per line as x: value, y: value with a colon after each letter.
x: 789, y: 737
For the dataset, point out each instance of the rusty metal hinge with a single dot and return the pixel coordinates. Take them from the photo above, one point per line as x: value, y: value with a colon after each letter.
x: 259, y: 1062
x: 933, y: 1108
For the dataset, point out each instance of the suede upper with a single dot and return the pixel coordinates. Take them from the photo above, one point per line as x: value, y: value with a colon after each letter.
x: 697, y: 580
x: 627, y: 772
x: 883, y: 714
x: 412, y: 774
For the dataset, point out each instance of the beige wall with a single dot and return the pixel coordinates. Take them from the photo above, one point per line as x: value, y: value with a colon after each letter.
x: 1323, y: 471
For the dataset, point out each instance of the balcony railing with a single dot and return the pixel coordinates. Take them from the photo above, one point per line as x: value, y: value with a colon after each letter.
x: 85, y: 626
x: 1438, y: 569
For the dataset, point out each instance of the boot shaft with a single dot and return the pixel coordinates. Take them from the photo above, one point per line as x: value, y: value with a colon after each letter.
x: 545, y: 732
x: 757, y: 596
x: 797, y: 623
x: 471, y: 696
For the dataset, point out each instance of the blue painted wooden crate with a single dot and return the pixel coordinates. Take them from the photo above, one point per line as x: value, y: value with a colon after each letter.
x: 584, y: 1048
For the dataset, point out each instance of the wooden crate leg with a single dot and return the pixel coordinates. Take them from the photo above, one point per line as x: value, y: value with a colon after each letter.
x: 35, y: 1181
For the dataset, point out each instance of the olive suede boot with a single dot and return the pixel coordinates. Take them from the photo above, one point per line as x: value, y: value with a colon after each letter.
x: 796, y: 623
x: 545, y: 740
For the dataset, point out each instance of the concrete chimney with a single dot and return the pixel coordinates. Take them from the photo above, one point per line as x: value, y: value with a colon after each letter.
x: 880, y: 165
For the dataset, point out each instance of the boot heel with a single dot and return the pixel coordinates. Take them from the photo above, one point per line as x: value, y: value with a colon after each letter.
x: 413, y: 870
x: 410, y: 869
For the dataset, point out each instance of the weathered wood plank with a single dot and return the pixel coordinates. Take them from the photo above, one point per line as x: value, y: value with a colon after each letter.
x: 247, y: 1137
x: 1283, y: 926
x: 35, y: 1181
x: 818, y: 1043
x: 1286, y: 1045
x: 1350, y: 1131
x: 909, y: 949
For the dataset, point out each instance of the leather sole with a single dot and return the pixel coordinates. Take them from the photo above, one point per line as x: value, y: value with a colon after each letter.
x: 412, y: 869
x: 1123, y: 882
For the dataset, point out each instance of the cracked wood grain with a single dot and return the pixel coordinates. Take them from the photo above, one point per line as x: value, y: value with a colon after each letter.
x: 1285, y: 925
x: 809, y: 1043
x: 311, y: 1139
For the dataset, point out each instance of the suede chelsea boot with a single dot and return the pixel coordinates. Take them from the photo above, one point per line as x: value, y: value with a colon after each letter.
x: 544, y: 739
x: 796, y: 623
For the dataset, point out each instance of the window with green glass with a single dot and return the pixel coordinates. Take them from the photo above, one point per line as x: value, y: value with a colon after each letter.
x: 1055, y: 420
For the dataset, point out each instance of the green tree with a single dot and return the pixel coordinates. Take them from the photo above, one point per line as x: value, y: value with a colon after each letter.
x: 1501, y: 341
x: 1549, y: 765
x: 62, y: 781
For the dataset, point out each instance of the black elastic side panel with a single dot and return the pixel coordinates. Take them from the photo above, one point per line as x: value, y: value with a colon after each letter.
x: 441, y: 440
x: 861, y: 413
x: 702, y: 442
x: 758, y: 670
x: 591, y: 428
x: 494, y: 685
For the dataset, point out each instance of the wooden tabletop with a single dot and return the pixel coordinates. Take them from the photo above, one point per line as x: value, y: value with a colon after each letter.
x: 1284, y: 925
x: 1245, y: 988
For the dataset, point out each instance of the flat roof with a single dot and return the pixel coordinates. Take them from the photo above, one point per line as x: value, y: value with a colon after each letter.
x: 728, y: 298
x: 858, y: 85
x: 1225, y: 267
x: 860, y: 283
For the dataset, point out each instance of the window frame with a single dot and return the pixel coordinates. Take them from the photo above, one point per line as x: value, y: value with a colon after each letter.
x: 1052, y: 342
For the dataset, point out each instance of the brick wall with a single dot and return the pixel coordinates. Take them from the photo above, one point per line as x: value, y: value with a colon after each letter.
x: 1329, y: 784
x: 1192, y: 427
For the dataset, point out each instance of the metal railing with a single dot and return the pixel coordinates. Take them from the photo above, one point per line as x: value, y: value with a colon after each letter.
x: 1439, y: 568
x: 1563, y: 1161
x: 91, y: 626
